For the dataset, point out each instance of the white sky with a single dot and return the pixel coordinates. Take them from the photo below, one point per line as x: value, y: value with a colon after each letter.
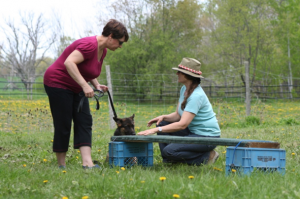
x: 76, y: 15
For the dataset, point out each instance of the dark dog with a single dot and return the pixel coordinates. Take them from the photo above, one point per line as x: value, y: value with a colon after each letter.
x: 125, y: 126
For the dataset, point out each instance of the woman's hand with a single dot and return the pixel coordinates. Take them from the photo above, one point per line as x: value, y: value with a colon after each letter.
x: 147, y: 132
x: 156, y: 120
x: 88, y: 91
x: 102, y: 87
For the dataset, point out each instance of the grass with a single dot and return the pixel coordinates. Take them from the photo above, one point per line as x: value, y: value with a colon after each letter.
x: 28, y: 168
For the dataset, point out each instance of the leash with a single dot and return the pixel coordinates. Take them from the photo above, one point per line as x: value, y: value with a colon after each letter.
x: 112, y: 104
x: 98, y: 94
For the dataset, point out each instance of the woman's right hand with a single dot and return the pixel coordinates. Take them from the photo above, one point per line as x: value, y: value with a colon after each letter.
x: 88, y: 91
x: 158, y: 120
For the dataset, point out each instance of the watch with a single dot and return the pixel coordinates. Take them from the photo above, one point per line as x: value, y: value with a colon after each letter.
x: 159, y: 129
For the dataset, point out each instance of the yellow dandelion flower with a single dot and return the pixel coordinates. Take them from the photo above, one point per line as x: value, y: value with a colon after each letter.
x: 293, y: 153
x: 78, y: 151
x: 45, y: 181
x: 224, y: 152
x: 143, y: 181
x: 99, y: 150
x: 51, y: 140
x: 85, y: 197
x: 216, y: 168
x: 176, y: 196
x: 24, y: 165
x: 191, y: 177
x: 65, y: 197
x: 76, y: 157
x: 162, y: 178
x: 64, y: 171
x: 233, y: 170
x: 122, y: 168
x: 117, y: 172
x: 45, y: 160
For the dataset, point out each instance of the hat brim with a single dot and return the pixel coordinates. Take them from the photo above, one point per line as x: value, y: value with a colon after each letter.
x: 188, y: 72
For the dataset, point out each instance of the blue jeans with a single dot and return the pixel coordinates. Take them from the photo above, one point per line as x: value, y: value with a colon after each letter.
x: 191, y: 154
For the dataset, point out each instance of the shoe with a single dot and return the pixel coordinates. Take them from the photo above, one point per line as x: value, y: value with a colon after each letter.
x: 61, y: 167
x: 96, y: 166
x: 213, y: 156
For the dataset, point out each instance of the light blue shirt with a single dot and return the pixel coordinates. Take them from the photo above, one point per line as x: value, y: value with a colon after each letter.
x: 205, y: 121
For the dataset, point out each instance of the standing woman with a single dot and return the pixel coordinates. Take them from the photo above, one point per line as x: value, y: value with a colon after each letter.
x: 194, y: 117
x: 80, y: 63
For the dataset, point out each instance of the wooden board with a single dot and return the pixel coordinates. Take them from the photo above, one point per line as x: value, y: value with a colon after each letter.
x: 199, y: 140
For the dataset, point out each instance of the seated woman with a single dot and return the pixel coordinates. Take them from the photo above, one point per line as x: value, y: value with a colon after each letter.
x: 194, y: 117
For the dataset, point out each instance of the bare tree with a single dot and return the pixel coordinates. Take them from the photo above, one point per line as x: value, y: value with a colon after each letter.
x: 26, y: 45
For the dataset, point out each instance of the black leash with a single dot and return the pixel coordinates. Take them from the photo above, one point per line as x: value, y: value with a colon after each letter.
x: 98, y: 94
x: 112, y: 104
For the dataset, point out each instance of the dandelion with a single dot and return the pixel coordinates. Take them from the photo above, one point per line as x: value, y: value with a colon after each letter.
x: 215, y: 168
x: 51, y: 140
x: 78, y: 151
x: 76, y: 157
x: 224, y: 152
x: 143, y: 181
x: 85, y: 197
x: 233, y: 170
x: 176, y: 196
x: 162, y: 178
x: 292, y: 154
x: 45, y: 181
x: 64, y: 171
x: 191, y: 177
x: 99, y: 150
x: 122, y: 168
x: 65, y: 197
x: 24, y: 165
x: 117, y: 172
x: 45, y: 160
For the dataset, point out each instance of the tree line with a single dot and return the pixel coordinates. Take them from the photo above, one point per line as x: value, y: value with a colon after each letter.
x: 222, y: 34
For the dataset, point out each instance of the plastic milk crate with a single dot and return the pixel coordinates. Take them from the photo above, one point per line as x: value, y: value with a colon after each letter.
x: 245, y: 160
x: 130, y: 153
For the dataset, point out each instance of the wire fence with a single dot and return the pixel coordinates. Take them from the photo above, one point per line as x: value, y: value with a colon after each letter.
x: 156, y: 89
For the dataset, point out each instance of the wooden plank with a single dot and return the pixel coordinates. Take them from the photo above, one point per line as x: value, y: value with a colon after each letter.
x: 198, y: 140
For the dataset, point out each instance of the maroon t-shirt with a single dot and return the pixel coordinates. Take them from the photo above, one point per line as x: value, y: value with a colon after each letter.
x: 57, y: 75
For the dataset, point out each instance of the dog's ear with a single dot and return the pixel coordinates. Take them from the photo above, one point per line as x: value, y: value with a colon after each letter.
x: 132, y: 117
x: 118, y: 121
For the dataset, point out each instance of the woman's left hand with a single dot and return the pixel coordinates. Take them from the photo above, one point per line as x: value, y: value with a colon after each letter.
x: 102, y: 87
x: 147, y: 132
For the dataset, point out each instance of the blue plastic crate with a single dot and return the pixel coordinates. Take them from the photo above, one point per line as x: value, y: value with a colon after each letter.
x: 246, y: 160
x: 126, y: 154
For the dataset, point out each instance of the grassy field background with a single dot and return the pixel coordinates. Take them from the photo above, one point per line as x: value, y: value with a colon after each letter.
x: 28, y: 168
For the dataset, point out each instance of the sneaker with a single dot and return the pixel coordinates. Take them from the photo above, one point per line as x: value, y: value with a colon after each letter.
x: 61, y: 167
x: 96, y: 166
x: 213, y: 156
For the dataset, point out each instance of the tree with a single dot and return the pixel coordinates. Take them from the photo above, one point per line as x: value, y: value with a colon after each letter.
x: 26, y: 46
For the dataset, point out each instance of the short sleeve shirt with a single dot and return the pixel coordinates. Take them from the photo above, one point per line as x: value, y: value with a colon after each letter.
x: 57, y: 75
x: 205, y: 122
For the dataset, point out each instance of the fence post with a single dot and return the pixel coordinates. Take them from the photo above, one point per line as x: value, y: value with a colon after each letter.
x: 112, y: 123
x: 248, y: 94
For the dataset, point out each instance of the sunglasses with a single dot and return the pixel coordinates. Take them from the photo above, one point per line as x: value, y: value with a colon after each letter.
x: 120, y: 42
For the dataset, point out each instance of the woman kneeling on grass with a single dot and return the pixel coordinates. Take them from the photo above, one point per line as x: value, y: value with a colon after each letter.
x: 194, y: 117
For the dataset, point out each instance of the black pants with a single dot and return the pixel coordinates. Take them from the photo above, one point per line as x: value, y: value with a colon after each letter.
x: 63, y: 105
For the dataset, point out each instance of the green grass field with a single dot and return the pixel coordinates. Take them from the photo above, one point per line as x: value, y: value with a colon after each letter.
x: 28, y: 168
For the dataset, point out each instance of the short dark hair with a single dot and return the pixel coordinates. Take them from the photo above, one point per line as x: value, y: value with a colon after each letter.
x: 116, y: 28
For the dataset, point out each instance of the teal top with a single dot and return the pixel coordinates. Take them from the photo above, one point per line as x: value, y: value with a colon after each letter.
x: 205, y: 121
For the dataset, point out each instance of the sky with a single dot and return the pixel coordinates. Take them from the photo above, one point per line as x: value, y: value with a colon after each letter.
x: 76, y: 15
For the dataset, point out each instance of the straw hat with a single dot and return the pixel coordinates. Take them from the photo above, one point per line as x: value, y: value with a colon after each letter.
x: 190, y: 67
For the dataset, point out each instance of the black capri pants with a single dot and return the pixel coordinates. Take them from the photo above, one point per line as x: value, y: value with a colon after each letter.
x: 63, y: 105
